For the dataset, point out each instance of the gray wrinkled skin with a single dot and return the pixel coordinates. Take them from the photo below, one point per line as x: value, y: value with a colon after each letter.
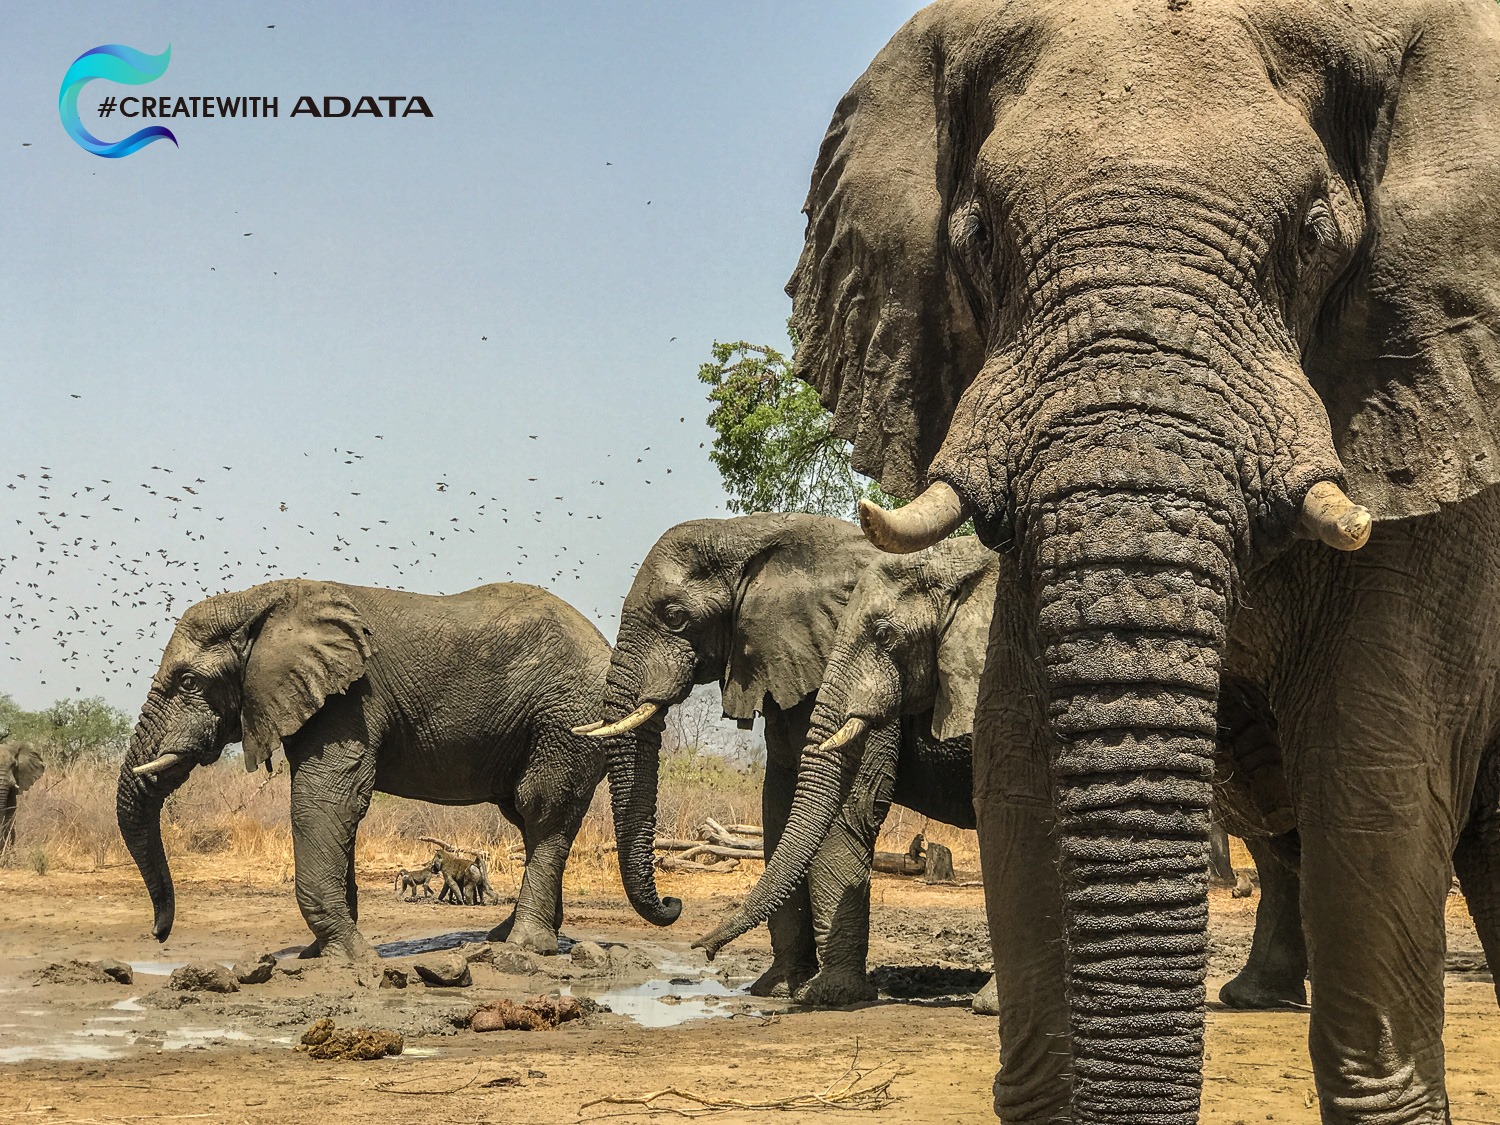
x: 463, y: 699
x: 20, y: 766
x: 1133, y: 277
x: 753, y: 603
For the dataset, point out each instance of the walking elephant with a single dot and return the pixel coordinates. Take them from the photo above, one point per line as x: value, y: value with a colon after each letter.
x: 751, y: 602
x: 20, y: 766
x: 457, y: 700
x: 1150, y: 289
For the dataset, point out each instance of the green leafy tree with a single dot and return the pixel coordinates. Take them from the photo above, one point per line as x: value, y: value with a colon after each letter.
x: 71, y: 730
x: 774, y: 444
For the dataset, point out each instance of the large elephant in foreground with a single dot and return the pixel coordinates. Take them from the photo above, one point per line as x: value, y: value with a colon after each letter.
x: 895, y: 709
x: 458, y: 700
x: 20, y: 766
x: 1150, y: 288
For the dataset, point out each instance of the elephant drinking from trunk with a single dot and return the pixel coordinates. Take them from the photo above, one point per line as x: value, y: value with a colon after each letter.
x: 458, y: 700
x: 753, y: 603
x: 1151, y: 289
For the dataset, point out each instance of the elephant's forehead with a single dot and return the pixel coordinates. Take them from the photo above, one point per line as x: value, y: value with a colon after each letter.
x: 1123, y: 84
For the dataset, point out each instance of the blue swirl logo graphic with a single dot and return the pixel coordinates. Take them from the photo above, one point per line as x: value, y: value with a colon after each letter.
x: 113, y: 63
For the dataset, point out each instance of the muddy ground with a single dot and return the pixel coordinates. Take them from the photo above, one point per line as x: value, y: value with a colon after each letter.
x: 79, y: 1050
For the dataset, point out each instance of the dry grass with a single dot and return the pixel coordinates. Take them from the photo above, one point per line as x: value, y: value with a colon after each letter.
x: 67, y: 823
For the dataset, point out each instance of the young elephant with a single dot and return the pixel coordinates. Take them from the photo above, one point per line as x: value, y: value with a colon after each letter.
x: 893, y: 721
x: 462, y: 699
x: 897, y: 702
x: 20, y: 767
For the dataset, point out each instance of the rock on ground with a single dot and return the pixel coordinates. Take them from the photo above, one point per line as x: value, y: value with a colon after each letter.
x: 444, y: 970
x: 77, y: 972
x: 203, y: 977
x: 589, y: 955
x: 254, y: 968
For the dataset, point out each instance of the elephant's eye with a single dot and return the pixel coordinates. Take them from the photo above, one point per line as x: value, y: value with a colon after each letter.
x: 885, y: 633
x: 188, y: 682
x: 674, y: 617
x: 1318, y: 229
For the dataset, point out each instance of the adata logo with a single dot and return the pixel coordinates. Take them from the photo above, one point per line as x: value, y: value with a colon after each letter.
x: 112, y: 62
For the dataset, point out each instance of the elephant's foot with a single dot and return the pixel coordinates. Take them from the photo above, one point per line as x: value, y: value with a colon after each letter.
x: 1262, y: 993
x: 836, y: 988
x: 526, y: 935
x: 782, y: 979
x: 351, y: 947
x: 986, y: 1001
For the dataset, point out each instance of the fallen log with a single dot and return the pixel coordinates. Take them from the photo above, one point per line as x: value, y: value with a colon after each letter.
x: 910, y: 862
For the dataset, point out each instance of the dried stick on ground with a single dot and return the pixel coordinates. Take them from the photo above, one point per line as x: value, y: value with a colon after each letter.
x: 854, y: 1089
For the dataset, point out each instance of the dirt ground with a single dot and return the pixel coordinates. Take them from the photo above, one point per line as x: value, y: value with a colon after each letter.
x: 105, y: 1052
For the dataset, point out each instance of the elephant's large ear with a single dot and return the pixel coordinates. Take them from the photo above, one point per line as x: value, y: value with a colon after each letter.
x: 791, y: 595
x: 962, y: 646
x: 312, y: 644
x: 884, y: 329
x: 29, y: 766
x: 1410, y: 371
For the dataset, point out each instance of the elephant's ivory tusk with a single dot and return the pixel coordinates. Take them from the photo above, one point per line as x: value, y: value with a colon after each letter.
x: 928, y: 519
x: 846, y: 734
x: 640, y: 715
x: 589, y: 728
x: 157, y: 765
x: 1330, y: 516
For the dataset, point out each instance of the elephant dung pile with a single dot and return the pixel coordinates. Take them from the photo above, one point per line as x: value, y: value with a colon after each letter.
x: 324, y: 1041
x: 539, y: 1013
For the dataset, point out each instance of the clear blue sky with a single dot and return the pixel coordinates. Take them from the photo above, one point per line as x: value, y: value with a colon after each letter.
x: 495, y: 292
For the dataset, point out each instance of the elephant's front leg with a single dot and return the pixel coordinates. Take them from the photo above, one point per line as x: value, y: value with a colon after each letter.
x: 1275, y: 973
x: 1477, y: 861
x: 331, y: 788
x: 549, y: 815
x: 794, y: 958
x: 838, y: 882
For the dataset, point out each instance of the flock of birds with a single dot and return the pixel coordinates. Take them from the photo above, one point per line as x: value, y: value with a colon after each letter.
x: 142, y: 549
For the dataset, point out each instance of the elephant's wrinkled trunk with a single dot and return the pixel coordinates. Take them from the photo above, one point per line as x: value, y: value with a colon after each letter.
x: 824, y: 777
x: 1133, y: 580
x: 634, y: 758
x: 138, y: 804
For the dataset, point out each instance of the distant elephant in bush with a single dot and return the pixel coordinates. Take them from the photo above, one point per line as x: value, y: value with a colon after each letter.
x: 20, y: 766
x: 893, y: 720
x: 457, y: 700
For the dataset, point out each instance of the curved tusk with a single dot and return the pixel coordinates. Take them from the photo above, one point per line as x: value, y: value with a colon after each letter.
x: 1330, y: 516
x: 846, y: 733
x: 640, y: 715
x: 928, y: 519
x: 589, y: 728
x: 157, y: 765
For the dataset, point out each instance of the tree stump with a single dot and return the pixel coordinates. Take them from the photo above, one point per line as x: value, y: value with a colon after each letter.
x: 939, y: 864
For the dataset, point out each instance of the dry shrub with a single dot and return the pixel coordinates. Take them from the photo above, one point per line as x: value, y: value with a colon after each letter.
x: 243, y: 820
